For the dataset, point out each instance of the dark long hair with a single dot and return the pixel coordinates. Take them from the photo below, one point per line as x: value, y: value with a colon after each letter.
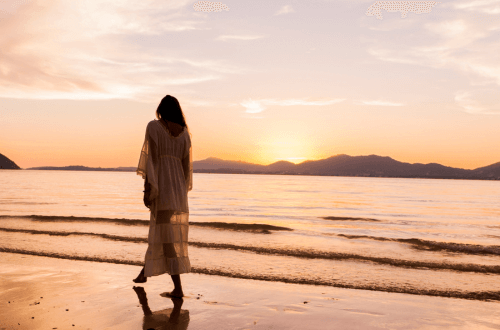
x: 170, y: 109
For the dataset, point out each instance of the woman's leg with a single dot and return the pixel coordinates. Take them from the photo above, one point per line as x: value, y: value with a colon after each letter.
x: 177, y: 287
x: 141, y: 278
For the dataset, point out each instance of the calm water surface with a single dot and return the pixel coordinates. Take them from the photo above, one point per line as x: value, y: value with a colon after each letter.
x: 417, y: 236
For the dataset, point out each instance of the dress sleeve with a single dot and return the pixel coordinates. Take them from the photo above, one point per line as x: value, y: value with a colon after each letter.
x: 187, y: 163
x: 148, y: 161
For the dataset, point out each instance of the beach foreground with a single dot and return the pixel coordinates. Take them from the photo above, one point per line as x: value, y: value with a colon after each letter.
x: 48, y: 293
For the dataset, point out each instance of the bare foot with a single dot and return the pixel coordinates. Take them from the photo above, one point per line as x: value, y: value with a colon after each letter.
x: 141, y: 278
x: 174, y: 294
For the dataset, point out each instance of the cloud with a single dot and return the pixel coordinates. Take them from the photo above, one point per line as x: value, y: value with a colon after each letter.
x: 475, y: 4
x: 257, y: 106
x: 90, y: 51
x: 252, y: 106
x: 238, y: 37
x: 464, y: 40
x: 479, y: 101
x: 287, y: 9
x: 380, y: 103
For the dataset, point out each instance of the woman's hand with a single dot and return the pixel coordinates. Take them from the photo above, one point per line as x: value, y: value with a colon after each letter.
x: 147, y: 192
x: 146, y: 200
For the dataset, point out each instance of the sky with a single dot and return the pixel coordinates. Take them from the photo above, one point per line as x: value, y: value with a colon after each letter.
x: 260, y: 81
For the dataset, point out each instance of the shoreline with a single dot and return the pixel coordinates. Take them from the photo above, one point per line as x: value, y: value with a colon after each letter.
x: 101, y: 296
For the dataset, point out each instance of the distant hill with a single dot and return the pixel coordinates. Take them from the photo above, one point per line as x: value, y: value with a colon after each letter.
x: 492, y: 171
x: 84, y: 168
x: 7, y: 164
x: 339, y: 165
x: 213, y: 163
x: 345, y: 165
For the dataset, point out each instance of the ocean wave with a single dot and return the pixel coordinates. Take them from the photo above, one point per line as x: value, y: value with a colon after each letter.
x: 252, y: 227
x: 68, y: 233
x: 304, y: 254
x: 350, y: 219
x: 58, y: 218
x: 472, y: 295
x: 247, y: 227
x: 427, y: 245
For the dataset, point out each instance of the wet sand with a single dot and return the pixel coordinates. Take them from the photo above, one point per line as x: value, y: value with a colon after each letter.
x: 48, y: 293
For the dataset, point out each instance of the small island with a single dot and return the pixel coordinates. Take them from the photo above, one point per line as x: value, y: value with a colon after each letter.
x: 7, y: 164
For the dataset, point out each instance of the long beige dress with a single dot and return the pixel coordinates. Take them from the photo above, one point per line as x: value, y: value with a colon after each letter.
x: 166, y: 163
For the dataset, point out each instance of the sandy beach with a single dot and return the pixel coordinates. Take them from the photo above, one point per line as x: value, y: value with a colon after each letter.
x: 48, y: 293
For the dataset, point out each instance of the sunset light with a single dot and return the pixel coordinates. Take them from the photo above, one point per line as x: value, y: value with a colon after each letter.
x: 219, y: 165
x: 257, y: 83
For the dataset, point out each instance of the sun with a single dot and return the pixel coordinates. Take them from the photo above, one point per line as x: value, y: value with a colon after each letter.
x: 295, y: 160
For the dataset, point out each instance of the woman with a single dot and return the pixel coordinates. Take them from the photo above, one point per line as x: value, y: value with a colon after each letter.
x: 166, y: 167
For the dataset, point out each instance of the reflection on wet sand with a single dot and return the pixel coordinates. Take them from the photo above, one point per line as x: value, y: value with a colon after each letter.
x: 170, y: 318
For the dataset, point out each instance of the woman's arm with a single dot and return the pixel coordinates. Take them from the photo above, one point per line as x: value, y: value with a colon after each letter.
x: 148, y: 164
x: 188, y: 172
x: 187, y: 164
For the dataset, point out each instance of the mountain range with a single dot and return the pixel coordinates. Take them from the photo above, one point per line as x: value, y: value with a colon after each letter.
x: 339, y: 165
x: 345, y: 165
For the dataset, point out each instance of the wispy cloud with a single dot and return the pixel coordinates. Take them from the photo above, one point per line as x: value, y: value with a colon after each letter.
x: 238, y: 37
x: 479, y: 101
x: 380, y: 103
x: 252, y: 106
x: 463, y: 42
x: 257, y: 106
x: 90, y: 52
x: 475, y: 4
x: 287, y: 9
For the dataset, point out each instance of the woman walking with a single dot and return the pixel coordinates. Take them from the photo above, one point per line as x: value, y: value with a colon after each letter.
x: 166, y: 167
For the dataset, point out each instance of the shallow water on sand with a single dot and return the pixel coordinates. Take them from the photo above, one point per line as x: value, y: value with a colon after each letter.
x: 418, y: 236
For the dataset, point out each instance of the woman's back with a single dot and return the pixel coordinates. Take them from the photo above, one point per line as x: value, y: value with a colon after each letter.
x: 170, y: 156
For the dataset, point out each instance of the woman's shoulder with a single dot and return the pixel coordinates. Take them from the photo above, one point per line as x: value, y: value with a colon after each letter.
x: 153, y: 122
x: 152, y: 125
x: 152, y: 129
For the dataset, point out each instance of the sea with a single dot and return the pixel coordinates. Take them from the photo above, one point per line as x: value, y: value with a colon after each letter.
x: 412, y: 236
